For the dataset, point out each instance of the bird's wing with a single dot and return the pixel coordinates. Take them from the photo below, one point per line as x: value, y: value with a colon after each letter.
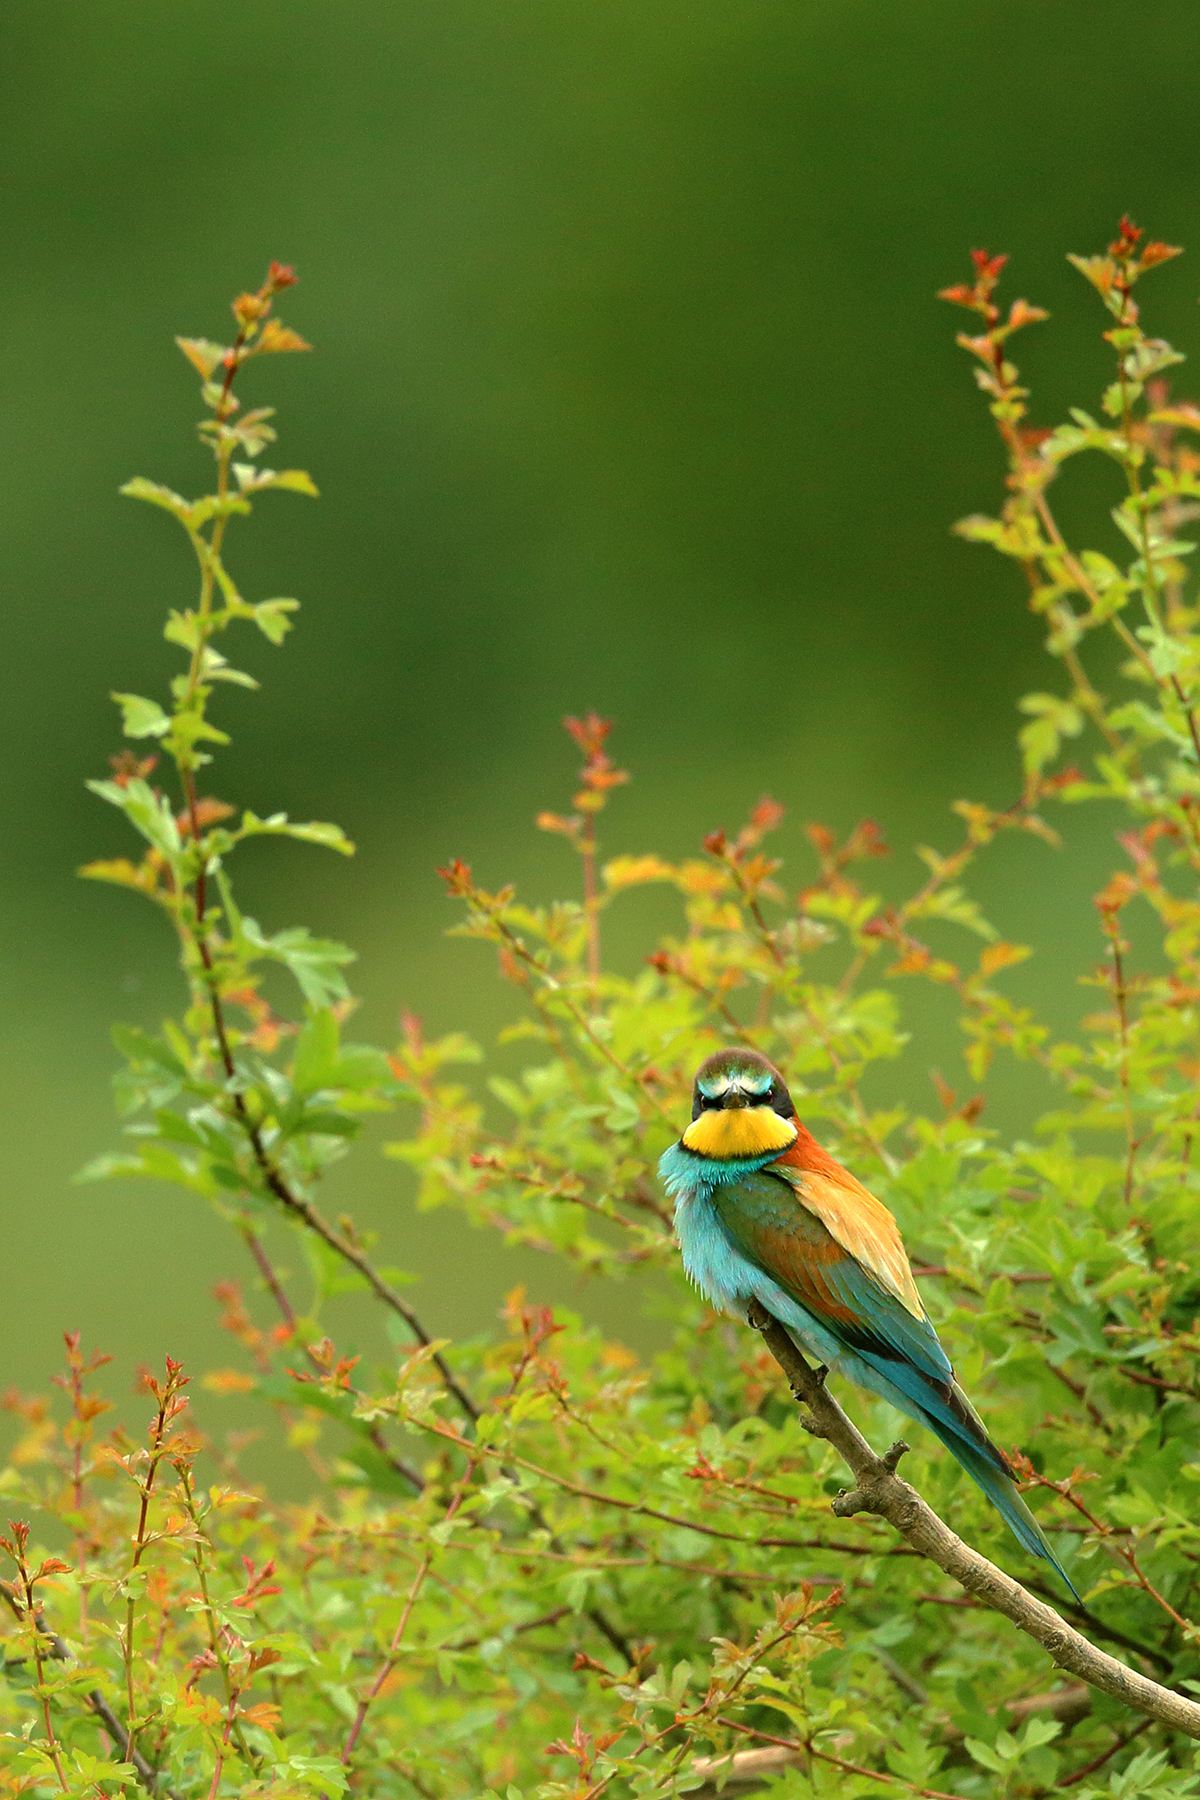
x: 773, y: 1224
x: 859, y: 1222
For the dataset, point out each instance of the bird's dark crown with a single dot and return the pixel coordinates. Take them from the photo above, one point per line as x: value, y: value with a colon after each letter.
x: 739, y: 1078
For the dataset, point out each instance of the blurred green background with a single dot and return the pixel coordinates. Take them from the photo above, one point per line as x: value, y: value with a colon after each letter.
x: 631, y: 392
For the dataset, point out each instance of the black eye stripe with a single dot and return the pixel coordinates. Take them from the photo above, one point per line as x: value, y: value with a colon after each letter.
x: 776, y: 1097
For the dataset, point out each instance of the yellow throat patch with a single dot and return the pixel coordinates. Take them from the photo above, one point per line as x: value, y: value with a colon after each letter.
x: 739, y: 1131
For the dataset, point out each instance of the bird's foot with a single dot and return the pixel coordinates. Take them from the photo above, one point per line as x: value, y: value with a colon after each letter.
x: 798, y: 1393
x: 892, y: 1456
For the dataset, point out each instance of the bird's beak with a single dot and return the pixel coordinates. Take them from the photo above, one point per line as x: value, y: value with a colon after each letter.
x: 736, y: 1099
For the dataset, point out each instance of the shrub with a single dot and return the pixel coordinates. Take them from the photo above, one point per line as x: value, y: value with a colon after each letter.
x: 532, y: 1565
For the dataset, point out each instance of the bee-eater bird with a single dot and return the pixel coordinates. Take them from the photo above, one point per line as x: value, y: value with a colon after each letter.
x: 764, y: 1213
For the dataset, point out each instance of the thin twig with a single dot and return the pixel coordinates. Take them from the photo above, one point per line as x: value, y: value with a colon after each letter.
x: 629, y: 1506
x: 798, y: 1749
x: 1098, y: 1762
x: 546, y: 1619
x: 216, y: 1640
x: 146, y: 1773
x: 277, y: 1291
x: 169, y: 1406
x: 58, y: 1648
x: 1153, y: 1381
x: 1123, y: 1552
x: 1080, y: 1392
x: 552, y: 984
x: 611, y: 1633
x: 307, y: 1213
x: 1121, y: 996
x: 393, y: 1652
x: 1003, y: 1274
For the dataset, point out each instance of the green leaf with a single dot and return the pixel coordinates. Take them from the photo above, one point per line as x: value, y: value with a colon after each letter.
x: 1038, y: 1732
x: 182, y: 628
x: 316, y: 963
x: 213, y: 667
x: 381, y: 1477
x: 117, y: 869
x: 295, y: 481
x: 190, y: 728
x: 317, y: 1772
x: 624, y: 1113
x: 1150, y: 357
x: 157, y: 495
x: 977, y: 528
x: 1053, y: 719
x: 331, y: 837
x: 324, y: 1124
x: 137, y: 1046
x: 1149, y: 723
x: 153, y: 1162
x: 177, y: 1130
x: 202, y: 353
x: 271, y: 618
x: 316, y: 1053
x: 322, y: 1061
x: 141, y: 718
x: 1149, y: 1773
x: 1087, y: 434
x: 985, y: 1756
x: 147, y: 811
x: 339, y: 1404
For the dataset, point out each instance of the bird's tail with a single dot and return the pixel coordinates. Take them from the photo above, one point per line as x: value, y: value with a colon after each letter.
x: 949, y: 1414
x: 1000, y: 1490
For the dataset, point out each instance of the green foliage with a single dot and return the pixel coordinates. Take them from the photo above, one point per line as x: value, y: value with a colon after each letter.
x: 531, y: 1565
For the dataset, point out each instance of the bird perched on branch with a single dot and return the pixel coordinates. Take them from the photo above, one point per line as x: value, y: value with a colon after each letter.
x: 763, y: 1212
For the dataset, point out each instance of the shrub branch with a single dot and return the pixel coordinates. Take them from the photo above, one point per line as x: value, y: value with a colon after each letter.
x: 879, y: 1490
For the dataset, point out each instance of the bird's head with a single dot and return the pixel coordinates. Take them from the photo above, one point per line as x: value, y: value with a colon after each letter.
x: 741, y: 1108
